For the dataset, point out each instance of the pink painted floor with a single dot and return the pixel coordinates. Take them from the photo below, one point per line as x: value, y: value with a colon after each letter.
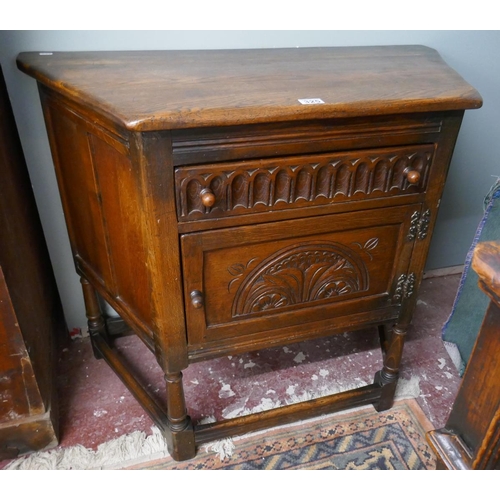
x: 95, y: 407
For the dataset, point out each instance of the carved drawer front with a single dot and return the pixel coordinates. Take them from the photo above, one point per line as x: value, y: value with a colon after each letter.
x: 229, y: 189
x: 307, y: 273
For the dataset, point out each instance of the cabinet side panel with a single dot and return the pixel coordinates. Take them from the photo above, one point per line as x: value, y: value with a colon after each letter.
x: 77, y: 185
x: 119, y: 190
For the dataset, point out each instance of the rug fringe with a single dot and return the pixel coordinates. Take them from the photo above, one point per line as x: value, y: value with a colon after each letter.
x: 109, y: 455
x: 137, y: 446
x: 223, y: 448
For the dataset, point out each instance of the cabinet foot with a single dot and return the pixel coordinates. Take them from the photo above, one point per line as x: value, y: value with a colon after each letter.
x: 181, y: 444
x: 180, y: 432
x: 387, y: 378
x: 388, y: 385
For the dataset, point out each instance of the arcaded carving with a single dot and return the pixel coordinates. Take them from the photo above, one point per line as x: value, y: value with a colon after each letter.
x: 298, y: 274
x: 301, y: 181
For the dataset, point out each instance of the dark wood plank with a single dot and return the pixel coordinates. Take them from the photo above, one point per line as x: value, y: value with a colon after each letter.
x: 288, y: 414
x: 31, y: 317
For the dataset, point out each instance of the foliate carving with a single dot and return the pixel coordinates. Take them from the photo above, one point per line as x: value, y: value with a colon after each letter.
x: 410, y: 285
x: 300, y: 274
x: 399, y: 292
x: 405, y: 287
x: 302, y: 181
x: 369, y: 245
x: 423, y: 224
x: 237, y: 270
x: 412, y: 232
x: 419, y: 225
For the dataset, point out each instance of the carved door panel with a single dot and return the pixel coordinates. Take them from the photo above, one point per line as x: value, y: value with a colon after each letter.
x: 250, y: 283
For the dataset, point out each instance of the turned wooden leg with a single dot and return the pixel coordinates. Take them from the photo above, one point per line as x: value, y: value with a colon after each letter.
x: 384, y: 337
x: 387, y: 378
x: 181, y: 442
x: 96, y: 323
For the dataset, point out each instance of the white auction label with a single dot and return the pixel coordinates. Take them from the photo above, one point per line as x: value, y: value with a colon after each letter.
x: 312, y: 101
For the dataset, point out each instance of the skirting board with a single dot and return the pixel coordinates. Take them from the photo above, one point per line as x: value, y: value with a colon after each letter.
x: 443, y: 271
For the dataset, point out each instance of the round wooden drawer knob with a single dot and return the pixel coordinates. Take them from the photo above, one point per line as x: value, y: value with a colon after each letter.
x: 207, y: 197
x: 413, y: 176
x: 197, y: 299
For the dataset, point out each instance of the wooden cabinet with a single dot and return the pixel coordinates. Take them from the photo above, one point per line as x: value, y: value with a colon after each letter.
x: 470, y: 440
x: 227, y: 201
x: 31, y: 317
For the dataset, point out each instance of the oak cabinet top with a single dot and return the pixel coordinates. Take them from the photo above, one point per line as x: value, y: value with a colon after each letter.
x: 155, y: 90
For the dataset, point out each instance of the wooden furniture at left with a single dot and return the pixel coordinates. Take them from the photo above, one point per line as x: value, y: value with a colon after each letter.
x: 30, y: 309
x: 470, y: 439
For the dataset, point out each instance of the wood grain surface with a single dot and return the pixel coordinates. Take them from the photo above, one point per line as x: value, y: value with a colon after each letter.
x: 152, y: 90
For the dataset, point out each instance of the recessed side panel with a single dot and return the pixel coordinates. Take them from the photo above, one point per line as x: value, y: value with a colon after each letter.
x: 100, y: 188
x: 79, y: 192
x: 118, y: 186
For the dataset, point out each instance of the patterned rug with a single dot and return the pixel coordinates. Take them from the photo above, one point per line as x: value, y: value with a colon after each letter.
x: 356, y: 440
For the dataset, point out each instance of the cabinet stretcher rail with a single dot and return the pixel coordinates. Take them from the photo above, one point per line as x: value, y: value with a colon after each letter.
x: 240, y: 425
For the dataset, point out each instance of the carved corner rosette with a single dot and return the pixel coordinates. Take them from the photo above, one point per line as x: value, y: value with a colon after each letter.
x: 297, y: 274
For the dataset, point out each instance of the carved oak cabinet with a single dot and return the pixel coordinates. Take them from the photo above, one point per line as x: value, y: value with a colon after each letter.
x: 228, y: 201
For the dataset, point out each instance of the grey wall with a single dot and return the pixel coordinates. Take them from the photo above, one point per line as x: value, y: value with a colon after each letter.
x: 474, y: 54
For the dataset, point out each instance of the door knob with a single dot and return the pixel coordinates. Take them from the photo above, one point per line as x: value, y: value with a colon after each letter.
x: 412, y: 176
x: 207, y: 197
x: 197, y: 299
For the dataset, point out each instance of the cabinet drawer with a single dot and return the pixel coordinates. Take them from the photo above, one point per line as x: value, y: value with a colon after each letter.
x: 301, y: 273
x: 238, y: 188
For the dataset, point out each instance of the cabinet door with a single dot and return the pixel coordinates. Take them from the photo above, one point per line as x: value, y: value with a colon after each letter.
x: 270, y: 283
